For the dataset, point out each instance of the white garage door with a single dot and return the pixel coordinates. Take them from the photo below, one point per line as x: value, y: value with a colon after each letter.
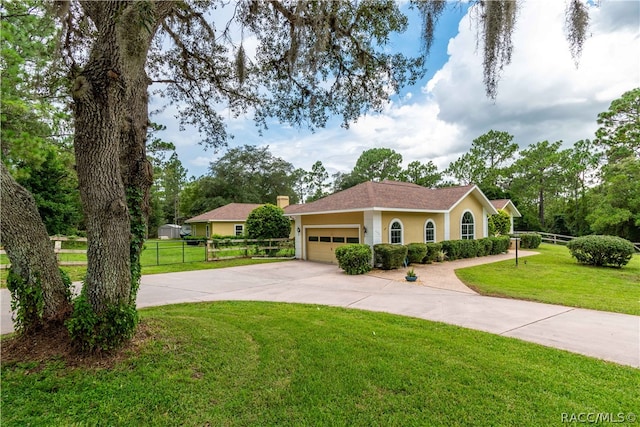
x: 322, y: 242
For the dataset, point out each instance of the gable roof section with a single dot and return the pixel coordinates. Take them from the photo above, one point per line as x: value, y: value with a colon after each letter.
x: 390, y: 195
x: 230, y: 212
x: 504, y: 203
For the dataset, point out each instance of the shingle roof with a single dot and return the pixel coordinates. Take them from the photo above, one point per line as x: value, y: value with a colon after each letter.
x: 386, y: 194
x: 502, y: 204
x: 230, y: 212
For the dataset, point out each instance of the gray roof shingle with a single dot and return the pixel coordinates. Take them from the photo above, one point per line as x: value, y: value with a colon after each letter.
x: 230, y: 212
x: 385, y: 194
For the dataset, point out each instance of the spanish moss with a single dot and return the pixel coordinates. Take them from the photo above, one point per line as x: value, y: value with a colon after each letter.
x: 497, y: 20
x: 576, y: 25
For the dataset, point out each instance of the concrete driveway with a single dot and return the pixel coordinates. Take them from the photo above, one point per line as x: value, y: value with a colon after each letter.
x: 609, y: 336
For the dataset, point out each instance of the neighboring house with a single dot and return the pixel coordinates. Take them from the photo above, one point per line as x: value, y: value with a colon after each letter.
x: 227, y: 220
x: 169, y: 231
x: 388, y: 212
x: 507, y: 206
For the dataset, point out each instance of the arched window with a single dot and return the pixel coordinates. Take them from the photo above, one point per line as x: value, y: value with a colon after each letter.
x: 429, y: 232
x: 395, y: 232
x: 466, y: 229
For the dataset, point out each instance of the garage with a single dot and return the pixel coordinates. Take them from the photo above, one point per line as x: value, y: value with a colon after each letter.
x: 322, y: 242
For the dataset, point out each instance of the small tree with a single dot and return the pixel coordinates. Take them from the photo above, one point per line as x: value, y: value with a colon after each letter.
x: 268, y: 222
x: 499, y: 224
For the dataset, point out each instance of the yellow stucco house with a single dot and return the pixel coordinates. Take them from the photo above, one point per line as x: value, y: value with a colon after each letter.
x: 388, y: 212
x: 227, y: 220
x: 507, y: 206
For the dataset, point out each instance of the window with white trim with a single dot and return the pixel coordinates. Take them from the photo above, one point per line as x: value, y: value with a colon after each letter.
x: 429, y: 232
x: 395, y: 232
x: 467, y: 226
x: 239, y: 229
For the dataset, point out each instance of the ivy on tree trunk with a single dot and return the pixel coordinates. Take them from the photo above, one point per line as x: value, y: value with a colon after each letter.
x: 40, y: 295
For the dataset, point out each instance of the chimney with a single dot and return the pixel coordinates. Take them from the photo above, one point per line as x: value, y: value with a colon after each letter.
x: 282, y: 201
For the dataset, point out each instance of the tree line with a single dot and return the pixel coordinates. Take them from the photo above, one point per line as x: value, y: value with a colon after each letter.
x: 590, y: 187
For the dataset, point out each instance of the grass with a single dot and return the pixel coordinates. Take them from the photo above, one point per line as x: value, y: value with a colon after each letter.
x: 556, y: 278
x: 248, y: 363
x: 168, y: 253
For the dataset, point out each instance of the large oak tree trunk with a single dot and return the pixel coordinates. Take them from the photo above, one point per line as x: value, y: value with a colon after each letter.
x: 111, y: 119
x: 29, y: 249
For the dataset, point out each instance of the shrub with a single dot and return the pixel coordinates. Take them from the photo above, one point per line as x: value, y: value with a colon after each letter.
x: 499, y: 224
x: 530, y: 240
x: 416, y: 252
x: 500, y: 245
x: 601, y: 250
x: 469, y: 248
x: 484, y: 246
x: 91, y: 331
x: 452, y: 249
x: 268, y: 222
x: 456, y: 249
x: 390, y: 256
x: 194, y: 241
x: 433, y: 250
x: 354, y: 258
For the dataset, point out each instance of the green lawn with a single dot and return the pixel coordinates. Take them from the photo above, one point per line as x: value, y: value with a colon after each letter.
x: 554, y: 277
x: 169, y: 253
x: 248, y: 363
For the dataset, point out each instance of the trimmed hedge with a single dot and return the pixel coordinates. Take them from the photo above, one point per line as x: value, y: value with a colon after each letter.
x: 457, y: 249
x: 500, y: 244
x: 194, y: 241
x: 530, y: 240
x: 452, y: 249
x: 484, y: 246
x: 601, y: 250
x: 354, y: 258
x: 433, y: 250
x: 416, y: 252
x: 389, y: 256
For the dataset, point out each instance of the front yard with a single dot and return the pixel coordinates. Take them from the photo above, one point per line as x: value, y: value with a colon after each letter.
x: 248, y: 363
x: 556, y: 278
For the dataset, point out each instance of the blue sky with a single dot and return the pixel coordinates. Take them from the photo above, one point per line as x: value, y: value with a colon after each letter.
x: 542, y: 95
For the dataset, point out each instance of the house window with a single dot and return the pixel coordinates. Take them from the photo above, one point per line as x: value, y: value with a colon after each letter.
x: 395, y: 232
x: 207, y: 232
x: 239, y: 228
x: 430, y: 232
x: 466, y: 230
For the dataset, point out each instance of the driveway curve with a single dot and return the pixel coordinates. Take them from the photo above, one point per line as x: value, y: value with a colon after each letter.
x: 608, y: 336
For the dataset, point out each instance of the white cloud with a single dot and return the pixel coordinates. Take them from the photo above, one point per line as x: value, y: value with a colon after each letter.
x: 541, y: 96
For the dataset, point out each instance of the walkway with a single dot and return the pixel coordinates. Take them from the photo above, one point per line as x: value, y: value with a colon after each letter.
x: 609, y: 336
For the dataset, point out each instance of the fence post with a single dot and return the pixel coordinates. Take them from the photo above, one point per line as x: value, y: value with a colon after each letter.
x: 57, y: 247
x: 157, y: 254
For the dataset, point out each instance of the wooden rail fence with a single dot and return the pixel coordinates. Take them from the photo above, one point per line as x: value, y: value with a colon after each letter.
x: 57, y: 248
x: 215, y: 249
x: 560, y: 239
x: 219, y: 249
